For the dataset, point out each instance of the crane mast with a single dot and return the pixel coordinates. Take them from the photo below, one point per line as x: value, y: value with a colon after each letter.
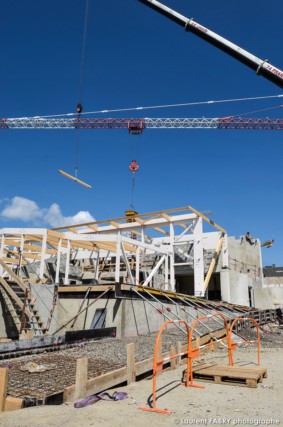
x: 262, y: 67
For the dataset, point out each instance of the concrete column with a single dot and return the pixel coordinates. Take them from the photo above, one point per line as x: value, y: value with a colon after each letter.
x: 225, y: 286
x: 198, y: 259
x: 224, y: 273
x: 118, y: 258
x: 172, y: 269
x: 67, y: 266
x: 2, y: 244
x: 57, y: 277
x: 137, y: 266
x: 166, y: 273
x: 43, y: 255
x: 96, y: 274
x: 224, y: 252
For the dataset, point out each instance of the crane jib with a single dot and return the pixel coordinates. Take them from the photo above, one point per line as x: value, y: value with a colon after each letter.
x: 135, y: 126
x: 262, y: 67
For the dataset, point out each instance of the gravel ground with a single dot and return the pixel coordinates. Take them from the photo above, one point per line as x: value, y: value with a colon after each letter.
x: 216, y: 404
x: 104, y: 356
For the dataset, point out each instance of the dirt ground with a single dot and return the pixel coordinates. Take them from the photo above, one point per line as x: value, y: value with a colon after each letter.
x: 216, y: 404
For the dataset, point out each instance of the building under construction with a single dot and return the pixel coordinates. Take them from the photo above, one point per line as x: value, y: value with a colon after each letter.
x: 114, y: 273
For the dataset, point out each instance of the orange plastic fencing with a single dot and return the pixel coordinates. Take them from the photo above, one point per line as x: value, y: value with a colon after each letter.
x: 233, y: 345
x: 195, y: 352
x: 158, y: 365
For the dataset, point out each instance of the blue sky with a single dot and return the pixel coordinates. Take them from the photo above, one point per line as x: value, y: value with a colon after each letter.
x: 136, y: 57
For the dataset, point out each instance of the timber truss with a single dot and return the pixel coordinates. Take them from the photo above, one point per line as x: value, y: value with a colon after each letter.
x: 139, y: 249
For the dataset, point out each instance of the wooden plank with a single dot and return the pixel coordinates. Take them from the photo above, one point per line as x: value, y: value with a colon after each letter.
x: 205, y: 218
x: 131, y: 372
x: 13, y: 403
x: 95, y: 385
x: 137, y: 219
x: 92, y: 227
x: 161, y: 230
x: 75, y: 289
x: 4, y: 373
x: 81, y: 377
x: 74, y: 178
x: 55, y: 234
x: 14, y: 261
x: 36, y: 248
x: 14, y: 276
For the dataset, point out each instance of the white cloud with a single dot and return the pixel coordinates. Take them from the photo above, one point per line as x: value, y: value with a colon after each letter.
x: 55, y: 218
x: 22, y: 209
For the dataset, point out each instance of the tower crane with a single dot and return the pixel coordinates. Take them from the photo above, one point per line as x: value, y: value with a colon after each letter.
x: 137, y: 125
x: 262, y: 67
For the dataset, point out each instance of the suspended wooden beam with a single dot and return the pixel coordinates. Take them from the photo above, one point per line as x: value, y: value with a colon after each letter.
x: 73, y: 178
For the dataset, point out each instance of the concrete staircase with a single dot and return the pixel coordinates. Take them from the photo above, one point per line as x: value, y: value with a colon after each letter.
x: 20, y: 303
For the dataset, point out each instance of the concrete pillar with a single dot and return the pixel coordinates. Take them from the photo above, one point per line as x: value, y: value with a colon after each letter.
x: 57, y: 277
x: 166, y: 273
x: 198, y: 259
x: 67, y: 266
x: 137, y: 265
x: 43, y: 255
x: 225, y: 285
x: 118, y: 258
x: 96, y: 274
x: 172, y: 268
x: 2, y: 244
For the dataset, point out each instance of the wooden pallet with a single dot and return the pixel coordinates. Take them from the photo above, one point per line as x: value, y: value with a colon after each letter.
x: 230, y: 375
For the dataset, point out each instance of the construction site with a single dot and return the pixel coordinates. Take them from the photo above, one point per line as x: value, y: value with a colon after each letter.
x: 127, y: 307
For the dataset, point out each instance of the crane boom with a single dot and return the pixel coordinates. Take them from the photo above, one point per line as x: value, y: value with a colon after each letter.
x: 137, y: 125
x: 262, y: 67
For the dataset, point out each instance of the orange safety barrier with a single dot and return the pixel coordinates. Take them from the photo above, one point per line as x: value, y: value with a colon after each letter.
x: 193, y: 353
x: 233, y: 345
x: 158, y: 364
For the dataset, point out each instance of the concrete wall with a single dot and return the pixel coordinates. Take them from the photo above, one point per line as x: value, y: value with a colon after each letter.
x: 69, y: 307
x: 44, y: 299
x: 248, y: 257
x: 266, y: 298
x: 239, y: 292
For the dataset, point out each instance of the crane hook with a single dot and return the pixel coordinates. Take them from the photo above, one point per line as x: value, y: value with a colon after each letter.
x: 134, y: 167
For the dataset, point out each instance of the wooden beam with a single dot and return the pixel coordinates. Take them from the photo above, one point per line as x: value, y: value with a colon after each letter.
x: 93, y: 227
x: 73, y: 178
x: 161, y: 230
x: 115, y: 224
x: 213, y: 262
x: 73, y: 230
x: 55, y: 234
x: 137, y: 219
x: 131, y: 373
x: 83, y: 244
x: 14, y: 261
x: 12, y: 242
x: 165, y: 216
x: 31, y: 255
x: 209, y: 221
x: 81, y: 377
x: 13, y: 403
x: 4, y: 373
x: 15, y: 277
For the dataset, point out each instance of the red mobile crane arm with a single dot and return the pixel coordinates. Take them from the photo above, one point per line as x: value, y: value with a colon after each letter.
x: 262, y: 67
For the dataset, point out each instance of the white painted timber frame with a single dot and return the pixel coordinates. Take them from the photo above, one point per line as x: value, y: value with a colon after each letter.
x: 156, y: 234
